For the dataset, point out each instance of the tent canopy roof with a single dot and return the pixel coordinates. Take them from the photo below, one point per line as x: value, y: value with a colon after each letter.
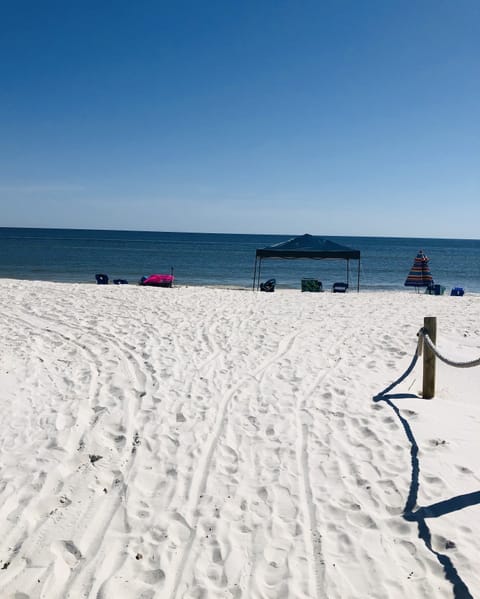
x: 308, y: 246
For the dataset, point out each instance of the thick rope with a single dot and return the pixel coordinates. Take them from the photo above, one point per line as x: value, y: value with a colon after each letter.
x: 422, y: 333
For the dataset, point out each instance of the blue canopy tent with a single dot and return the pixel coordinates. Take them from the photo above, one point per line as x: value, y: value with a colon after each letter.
x: 306, y: 246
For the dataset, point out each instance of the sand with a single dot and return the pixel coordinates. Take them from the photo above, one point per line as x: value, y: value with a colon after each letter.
x: 196, y: 442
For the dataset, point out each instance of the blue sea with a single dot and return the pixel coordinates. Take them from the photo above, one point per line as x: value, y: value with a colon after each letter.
x: 69, y: 255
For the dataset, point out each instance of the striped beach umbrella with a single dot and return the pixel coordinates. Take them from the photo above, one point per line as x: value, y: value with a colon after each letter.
x: 419, y: 275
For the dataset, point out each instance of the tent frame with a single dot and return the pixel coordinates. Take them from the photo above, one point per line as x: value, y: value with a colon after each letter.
x: 337, y: 252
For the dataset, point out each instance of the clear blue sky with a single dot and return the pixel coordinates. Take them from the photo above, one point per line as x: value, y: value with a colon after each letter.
x: 353, y: 117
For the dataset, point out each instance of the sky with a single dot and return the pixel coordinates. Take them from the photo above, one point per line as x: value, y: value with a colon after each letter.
x: 345, y: 117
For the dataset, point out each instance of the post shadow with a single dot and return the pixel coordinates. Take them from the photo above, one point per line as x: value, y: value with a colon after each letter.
x: 459, y: 587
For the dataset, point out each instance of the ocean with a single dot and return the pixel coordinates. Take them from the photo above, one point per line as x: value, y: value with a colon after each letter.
x: 70, y: 255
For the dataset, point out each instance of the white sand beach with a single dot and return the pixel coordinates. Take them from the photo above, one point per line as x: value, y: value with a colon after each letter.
x: 204, y: 443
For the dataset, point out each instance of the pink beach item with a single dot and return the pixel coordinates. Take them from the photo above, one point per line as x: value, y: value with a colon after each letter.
x: 159, y: 280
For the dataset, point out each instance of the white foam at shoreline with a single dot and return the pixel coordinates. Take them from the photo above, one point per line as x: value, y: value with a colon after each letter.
x: 200, y: 442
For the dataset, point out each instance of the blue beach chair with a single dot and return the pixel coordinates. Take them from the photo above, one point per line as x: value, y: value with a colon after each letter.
x: 102, y: 279
x: 268, y: 286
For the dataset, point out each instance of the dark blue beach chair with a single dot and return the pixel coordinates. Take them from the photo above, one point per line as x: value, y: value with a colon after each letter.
x: 435, y: 289
x: 268, y: 286
x: 339, y: 287
x: 102, y: 279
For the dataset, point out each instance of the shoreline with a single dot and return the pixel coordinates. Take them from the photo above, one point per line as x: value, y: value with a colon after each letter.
x: 278, y: 289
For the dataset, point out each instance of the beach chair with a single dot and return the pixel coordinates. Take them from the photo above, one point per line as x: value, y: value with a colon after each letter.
x: 312, y: 285
x: 120, y: 282
x: 457, y: 291
x: 435, y: 289
x: 268, y: 286
x: 339, y: 287
x: 101, y: 279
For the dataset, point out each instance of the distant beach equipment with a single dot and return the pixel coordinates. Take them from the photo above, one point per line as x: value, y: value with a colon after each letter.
x: 306, y: 246
x: 101, y: 279
x: 457, y: 291
x: 419, y: 275
x: 339, y: 287
x: 435, y: 289
x: 158, y: 280
x: 268, y: 286
x: 313, y: 285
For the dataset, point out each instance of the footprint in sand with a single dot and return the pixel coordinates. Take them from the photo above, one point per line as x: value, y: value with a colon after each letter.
x: 273, y: 573
x: 409, y: 547
x: 400, y: 527
x: 433, y: 480
x: 348, y: 504
x: 345, y: 544
x: 463, y: 469
x: 227, y: 460
x: 152, y: 577
x: 391, y: 422
x: 284, y: 505
x: 270, y: 431
x: 143, y: 511
x: 179, y: 532
x: 67, y: 551
x: 262, y: 493
x: 361, y: 520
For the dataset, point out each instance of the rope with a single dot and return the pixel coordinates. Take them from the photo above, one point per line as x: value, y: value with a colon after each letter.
x: 422, y: 333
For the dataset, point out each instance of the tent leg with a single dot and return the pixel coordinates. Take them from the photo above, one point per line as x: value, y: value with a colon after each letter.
x: 358, y: 277
x: 348, y: 272
x: 254, y: 274
x: 259, y: 269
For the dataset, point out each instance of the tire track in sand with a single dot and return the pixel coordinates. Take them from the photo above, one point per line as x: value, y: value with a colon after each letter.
x: 96, y: 532
x: 36, y: 517
x: 314, y: 541
x: 200, y: 479
x: 24, y: 531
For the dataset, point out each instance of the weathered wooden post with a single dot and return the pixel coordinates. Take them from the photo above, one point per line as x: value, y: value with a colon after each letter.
x: 430, y: 326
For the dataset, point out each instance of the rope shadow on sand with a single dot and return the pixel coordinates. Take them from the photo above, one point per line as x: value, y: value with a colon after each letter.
x: 460, y: 589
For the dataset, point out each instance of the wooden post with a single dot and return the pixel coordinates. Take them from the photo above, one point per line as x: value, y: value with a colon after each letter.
x: 430, y: 326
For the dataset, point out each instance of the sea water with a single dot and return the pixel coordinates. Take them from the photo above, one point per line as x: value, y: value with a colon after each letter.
x: 69, y: 255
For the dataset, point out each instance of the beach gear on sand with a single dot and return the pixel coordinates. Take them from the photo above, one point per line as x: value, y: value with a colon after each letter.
x: 101, y: 279
x: 457, y: 291
x: 435, y: 289
x: 339, y: 287
x: 312, y: 285
x: 305, y: 246
x: 158, y: 281
x: 419, y: 275
x: 268, y: 286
